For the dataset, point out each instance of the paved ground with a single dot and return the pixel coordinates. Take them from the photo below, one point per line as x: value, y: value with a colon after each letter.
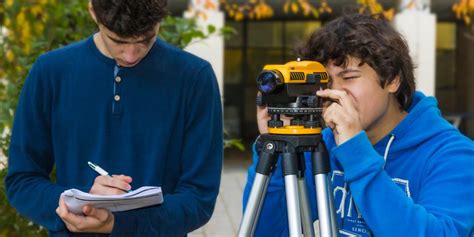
x: 228, y: 212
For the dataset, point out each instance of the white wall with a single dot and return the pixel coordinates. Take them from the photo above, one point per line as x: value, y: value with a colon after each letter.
x: 418, y: 26
x: 211, y: 49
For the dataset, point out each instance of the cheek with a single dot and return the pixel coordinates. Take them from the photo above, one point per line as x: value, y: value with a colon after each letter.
x: 114, y: 50
x: 370, y: 108
x: 142, y: 51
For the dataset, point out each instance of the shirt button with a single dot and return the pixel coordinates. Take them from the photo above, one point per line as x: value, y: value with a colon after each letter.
x: 117, y: 98
x: 118, y: 79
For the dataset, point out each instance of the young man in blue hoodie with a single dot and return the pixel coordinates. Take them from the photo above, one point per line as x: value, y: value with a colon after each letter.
x: 132, y: 104
x: 398, y: 168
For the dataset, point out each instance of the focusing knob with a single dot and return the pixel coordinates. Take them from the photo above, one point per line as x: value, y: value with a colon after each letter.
x: 312, y: 101
x: 296, y: 122
x: 275, y: 123
x: 311, y: 124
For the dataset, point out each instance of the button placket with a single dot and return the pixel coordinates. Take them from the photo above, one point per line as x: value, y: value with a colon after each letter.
x: 117, y: 95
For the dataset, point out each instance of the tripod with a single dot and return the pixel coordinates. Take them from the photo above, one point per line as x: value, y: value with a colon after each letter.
x: 292, y: 148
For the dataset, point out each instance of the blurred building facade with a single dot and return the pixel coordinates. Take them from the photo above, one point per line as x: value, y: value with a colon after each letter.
x: 272, y: 41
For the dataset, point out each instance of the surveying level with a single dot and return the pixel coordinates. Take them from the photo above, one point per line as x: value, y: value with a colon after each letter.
x: 290, y: 89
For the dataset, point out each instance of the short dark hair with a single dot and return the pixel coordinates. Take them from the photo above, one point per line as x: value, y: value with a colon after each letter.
x: 129, y: 18
x: 371, y: 39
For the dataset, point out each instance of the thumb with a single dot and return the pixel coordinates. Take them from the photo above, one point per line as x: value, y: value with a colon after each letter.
x: 88, y: 210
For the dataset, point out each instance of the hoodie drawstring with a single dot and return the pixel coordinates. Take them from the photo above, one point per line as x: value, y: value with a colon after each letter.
x: 387, y: 148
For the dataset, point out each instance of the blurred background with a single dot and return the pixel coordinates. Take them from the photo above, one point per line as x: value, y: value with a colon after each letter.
x: 238, y: 38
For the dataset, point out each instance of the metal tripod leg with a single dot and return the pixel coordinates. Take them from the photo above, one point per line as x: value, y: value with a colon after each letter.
x: 321, y: 167
x: 295, y: 186
x: 304, y: 203
x: 265, y: 165
x: 290, y: 170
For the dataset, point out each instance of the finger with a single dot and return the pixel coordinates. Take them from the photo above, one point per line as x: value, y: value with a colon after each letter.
x: 259, y: 94
x: 338, y: 96
x: 112, y: 182
x: 75, y: 222
x: 102, y: 215
x: 62, y: 213
x: 70, y: 227
x: 327, y: 103
x: 124, y: 178
x: 346, y: 125
x: 286, y: 119
x: 331, y: 94
x: 106, y: 190
x: 331, y: 125
x: 262, y: 111
x: 327, y: 112
x: 329, y: 121
x: 62, y: 209
x: 333, y: 115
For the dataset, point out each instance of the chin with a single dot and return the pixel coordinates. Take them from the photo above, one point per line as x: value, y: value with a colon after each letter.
x: 124, y: 64
x: 128, y: 65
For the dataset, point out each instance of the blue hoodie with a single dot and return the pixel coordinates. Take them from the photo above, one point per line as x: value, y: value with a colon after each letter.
x: 416, y: 181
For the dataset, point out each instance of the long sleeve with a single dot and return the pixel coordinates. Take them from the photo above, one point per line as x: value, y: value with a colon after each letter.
x: 444, y: 205
x: 31, y: 158
x: 192, y: 202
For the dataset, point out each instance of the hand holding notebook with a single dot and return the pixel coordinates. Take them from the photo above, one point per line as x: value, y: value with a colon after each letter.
x: 145, y: 196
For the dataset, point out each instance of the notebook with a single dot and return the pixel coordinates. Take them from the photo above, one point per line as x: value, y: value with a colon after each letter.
x: 145, y: 196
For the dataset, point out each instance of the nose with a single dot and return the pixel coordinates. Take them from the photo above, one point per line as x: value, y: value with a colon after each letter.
x: 131, y: 53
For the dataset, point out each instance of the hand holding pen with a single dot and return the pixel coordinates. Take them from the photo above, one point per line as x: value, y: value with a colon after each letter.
x: 104, y: 184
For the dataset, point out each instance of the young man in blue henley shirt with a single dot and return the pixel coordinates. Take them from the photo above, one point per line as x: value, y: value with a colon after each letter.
x: 141, y: 109
x: 398, y: 168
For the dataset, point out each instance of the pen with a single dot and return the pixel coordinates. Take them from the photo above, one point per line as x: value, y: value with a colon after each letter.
x: 101, y: 171
x: 97, y: 168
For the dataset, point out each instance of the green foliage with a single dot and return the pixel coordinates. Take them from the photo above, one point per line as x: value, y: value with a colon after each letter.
x: 232, y: 143
x: 33, y: 30
x: 182, y: 31
x: 35, y: 27
x: 236, y: 143
x: 11, y: 223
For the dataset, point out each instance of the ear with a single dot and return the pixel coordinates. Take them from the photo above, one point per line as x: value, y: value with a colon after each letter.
x: 394, y: 85
x: 92, y: 13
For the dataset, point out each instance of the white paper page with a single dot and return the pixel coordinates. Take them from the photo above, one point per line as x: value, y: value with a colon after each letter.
x: 142, y: 197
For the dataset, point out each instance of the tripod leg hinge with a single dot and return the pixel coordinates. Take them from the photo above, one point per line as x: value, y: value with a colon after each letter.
x: 289, y: 164
x: 266, y: 163
x: 320, y: 160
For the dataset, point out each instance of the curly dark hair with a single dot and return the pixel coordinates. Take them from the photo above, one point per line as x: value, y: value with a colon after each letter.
x: 129, y: 18
x: 371, y: 39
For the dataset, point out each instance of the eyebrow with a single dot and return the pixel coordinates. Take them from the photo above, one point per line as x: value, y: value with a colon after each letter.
x: 345, y: 71
x: 127, y: 42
